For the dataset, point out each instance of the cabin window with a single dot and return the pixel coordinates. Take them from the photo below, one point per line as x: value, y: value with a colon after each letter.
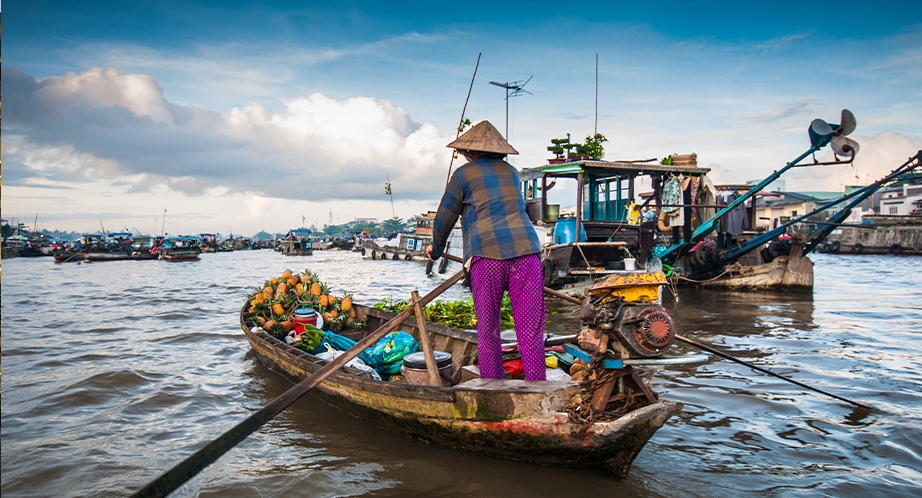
x: 893, y: 210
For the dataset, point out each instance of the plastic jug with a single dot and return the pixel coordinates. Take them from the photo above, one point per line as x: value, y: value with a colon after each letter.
x: 565, y: 231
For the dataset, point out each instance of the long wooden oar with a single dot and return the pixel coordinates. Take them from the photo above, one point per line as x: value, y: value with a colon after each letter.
x: 704, y: 347
x: 188, y: 468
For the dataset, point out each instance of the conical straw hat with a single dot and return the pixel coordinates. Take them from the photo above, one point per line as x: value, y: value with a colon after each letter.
x: 483, y: 137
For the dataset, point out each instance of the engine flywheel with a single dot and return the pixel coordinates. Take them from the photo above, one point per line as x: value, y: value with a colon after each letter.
x: 655, y: 330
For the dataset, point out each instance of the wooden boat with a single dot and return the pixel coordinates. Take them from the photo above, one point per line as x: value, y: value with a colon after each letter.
x: 608, y: 223
x: 113, y: 246
x: 791, y: 270
x: 68, y: 256
x: 406, y: 246
x: 877, y: 234
x: 687, y: 224
x: 180, y: 249
x: 512, y: 419
x: 146, y: 248
x: 208, y: 242
x: 297, y: 243
x: 108, y: 256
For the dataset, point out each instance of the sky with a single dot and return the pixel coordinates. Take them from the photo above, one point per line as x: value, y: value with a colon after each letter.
x: 245, y: 116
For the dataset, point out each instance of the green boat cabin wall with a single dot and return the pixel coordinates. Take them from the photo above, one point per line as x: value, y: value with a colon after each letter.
x: 606, y: 199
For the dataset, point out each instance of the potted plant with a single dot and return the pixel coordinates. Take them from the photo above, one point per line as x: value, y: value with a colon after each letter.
x: 592, y: 148
x: 561, y: 149
x: 566, y: 151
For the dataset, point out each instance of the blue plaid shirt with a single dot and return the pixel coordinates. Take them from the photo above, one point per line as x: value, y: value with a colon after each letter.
x: 486, y: 194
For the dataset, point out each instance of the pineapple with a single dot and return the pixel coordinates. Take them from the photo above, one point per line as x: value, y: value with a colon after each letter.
x: 286, y: 274
x: 346, y: 303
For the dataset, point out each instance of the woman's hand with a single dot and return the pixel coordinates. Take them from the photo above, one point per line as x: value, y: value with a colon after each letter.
x: 429, y: 253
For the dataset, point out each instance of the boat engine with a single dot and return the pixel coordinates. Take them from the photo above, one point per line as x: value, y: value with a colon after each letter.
x: 624, y: 314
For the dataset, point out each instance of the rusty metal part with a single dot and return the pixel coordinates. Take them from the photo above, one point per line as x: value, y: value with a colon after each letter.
x: 655, y: 329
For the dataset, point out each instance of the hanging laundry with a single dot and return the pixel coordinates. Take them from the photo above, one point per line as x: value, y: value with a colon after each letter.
x: 705, y: 196
x: 737, y: 220
x: 671, y: 194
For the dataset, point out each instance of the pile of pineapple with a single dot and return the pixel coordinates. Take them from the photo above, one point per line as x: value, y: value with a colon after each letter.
x: 272, y: 304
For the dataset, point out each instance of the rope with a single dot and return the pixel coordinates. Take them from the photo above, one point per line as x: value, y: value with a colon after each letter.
x: 734, y: 266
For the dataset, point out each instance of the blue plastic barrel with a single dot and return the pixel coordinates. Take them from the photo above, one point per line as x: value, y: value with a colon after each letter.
x: 565, y: 231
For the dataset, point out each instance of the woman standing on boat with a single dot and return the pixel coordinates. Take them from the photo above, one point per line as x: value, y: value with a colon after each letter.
x: 500, y: 245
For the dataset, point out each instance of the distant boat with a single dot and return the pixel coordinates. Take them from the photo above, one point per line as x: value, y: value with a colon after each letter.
x: 297, y: 243
x: 180, y: 249
x: 145, y: 248
x: 405, y: 246
x: 113, y: 246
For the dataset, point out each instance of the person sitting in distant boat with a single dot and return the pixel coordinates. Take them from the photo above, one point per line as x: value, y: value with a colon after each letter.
x: 503, y: 248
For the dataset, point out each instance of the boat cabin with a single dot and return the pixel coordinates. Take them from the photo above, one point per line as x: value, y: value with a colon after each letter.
x: 298, y: 243
x: 424, y: 223
x: 608, y: 225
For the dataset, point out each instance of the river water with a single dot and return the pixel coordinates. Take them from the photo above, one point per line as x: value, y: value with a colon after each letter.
x: 114, y: 372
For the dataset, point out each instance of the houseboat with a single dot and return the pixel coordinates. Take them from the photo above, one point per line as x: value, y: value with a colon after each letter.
x: 405, y: 246
x: 297, y: 243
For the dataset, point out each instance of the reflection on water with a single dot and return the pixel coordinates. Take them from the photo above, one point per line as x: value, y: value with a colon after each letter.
x: 116, y: 371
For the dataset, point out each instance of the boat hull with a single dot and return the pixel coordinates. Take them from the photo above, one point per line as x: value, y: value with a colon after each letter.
x: 406, y: 247
x: 512, y: 419
x: 108, y: 256
x: 783, y: 272
x: 68, y: 257
x: 186, y: 256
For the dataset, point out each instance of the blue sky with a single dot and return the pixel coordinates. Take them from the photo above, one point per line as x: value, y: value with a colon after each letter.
x: 239, y: 116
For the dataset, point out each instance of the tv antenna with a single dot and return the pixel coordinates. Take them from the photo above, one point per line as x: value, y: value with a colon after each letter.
x: 387, y: 190
x: 517, y: 90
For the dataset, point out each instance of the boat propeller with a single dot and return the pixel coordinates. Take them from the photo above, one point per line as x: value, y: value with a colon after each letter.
x: 822, y: 133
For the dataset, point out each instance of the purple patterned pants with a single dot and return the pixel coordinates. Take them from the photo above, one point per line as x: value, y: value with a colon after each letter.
x: 523, y: 278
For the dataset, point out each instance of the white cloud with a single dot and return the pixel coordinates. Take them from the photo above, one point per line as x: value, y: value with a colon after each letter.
x: 111, y: 134
x: 316, y: 146
x: 105, y: 88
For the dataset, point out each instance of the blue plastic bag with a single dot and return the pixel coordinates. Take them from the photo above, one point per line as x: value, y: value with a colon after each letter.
x: 387, y: 355
x: 343, y: 343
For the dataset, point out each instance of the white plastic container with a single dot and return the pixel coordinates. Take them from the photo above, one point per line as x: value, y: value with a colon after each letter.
x: 629, y: 264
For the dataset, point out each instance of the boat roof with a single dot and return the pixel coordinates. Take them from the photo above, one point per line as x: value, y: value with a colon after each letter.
x: 119, y: 234
x: 599, y: 168
x: 301, y: 230
x: 182, y: 237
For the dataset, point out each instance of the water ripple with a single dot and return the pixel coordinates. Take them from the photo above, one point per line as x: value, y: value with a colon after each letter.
x: 128, y: 367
